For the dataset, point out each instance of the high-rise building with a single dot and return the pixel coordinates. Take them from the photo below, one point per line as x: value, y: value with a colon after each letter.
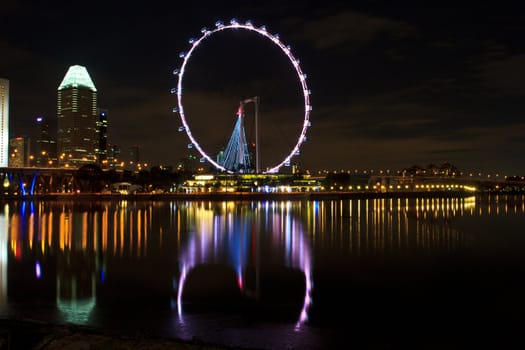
x: 77, y: 118
x: 46, y: 147
x: 4, y: 122
x: 102, y: 136
x: 133, y: 158
x: 114, y: 160
x: 134, y: 154
x: 19, y: 150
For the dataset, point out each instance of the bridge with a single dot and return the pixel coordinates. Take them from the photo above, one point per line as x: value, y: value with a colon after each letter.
x: 422, y: 183
x: 30, y: 181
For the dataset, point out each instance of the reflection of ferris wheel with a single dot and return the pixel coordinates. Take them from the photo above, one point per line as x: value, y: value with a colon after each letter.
x: 234, y: 24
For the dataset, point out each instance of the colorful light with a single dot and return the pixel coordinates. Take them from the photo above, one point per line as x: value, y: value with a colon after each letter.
x: 235, y: 24
x: 38, y: 270
x: 77, y: 76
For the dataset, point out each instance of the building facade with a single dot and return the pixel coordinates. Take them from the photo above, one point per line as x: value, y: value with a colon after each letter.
x: 46, y: 147
x: 19, y: 152
x: 101, y: 150
x: 114, y: 160
x: 134, y: 154
x: 4, y: 122
x: 77, y: 118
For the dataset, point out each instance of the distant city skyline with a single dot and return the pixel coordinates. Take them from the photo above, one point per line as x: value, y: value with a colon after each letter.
x: 393, y: 85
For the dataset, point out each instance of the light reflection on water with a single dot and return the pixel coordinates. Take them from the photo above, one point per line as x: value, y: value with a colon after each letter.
x: 387, y: 226
x: 81, y: 251
x: 234, y: 231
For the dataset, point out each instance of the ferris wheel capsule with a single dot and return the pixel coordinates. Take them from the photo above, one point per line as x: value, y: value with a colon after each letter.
x: 176, y: 71
x: 191, y: 40
x: 182, y: 54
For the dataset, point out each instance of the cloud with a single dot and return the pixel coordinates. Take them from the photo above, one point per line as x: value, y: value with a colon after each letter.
x: 410, y: 126
x: 13, y: 56
x: 391, y: 115
x: 449, y: 151
x: 489, y: 149
x: 504, y: 74
x: 9, y: 6
x: 350, y: 28
x: 138, y: 116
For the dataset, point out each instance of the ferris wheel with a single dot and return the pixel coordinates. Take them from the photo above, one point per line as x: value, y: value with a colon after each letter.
x: 274, y: 38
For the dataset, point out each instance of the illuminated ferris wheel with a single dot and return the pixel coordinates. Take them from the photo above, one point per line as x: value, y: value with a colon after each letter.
x: 274, y: 38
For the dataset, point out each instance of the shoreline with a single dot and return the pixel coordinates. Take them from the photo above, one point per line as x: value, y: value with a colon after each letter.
x: 238, y: 196
x: 16, y: 333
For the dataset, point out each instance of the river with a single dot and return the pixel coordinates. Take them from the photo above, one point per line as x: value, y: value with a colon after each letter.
x: 261, y: 274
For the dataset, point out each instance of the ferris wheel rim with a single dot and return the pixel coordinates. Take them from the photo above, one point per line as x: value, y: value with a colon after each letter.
x: 234, y: 24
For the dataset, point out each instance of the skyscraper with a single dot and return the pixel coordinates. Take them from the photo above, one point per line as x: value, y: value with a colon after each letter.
x: 77, y: 118
x: 46, y: 147
x: 114, y: 160
x: 19, y: 149
x: 4, y: 122
x: 134, y: 154
x: 102, y: 136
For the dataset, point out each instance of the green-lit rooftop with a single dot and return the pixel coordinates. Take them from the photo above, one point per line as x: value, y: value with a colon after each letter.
x: 77, y: 77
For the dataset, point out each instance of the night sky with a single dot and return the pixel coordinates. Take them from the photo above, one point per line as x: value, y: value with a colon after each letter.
x: 393, y: 84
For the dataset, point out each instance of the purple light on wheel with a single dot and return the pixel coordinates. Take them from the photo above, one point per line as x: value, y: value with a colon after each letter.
x: 236, y: 25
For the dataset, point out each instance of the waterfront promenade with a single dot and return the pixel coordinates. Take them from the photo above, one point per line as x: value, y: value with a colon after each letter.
x: 228, y: 196
x: 28, y: 334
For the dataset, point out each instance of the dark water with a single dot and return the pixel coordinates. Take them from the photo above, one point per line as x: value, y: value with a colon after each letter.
x: 304, y: 275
